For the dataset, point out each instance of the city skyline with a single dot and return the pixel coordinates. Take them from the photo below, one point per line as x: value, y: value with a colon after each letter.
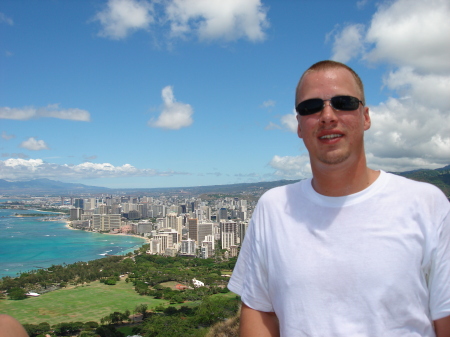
x: 128, y: 93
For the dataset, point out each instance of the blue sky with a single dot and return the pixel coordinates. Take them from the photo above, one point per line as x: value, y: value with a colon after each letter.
x: 128, y: 93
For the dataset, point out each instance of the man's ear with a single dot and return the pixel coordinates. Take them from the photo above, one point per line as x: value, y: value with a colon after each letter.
x: 367, y: 122
x: 299, y: 129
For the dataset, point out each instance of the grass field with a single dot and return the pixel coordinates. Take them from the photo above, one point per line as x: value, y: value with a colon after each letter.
x: 170, y: 284
x: 81, y: 304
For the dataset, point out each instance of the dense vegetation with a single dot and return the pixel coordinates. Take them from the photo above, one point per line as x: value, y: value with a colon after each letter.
x: 194, y: 310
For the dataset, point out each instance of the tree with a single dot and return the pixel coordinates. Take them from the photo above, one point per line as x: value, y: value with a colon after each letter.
x: 166, y: 326
x: 108, y: 331
x: 67, y: 328
x: 126, y: 315
x: 214, y: 309
x: 170, y: 311
x: 91, y: 325
x: 32, y: 329
x: 141, y: 309
x: 17, y: 294
x: 116, y: 317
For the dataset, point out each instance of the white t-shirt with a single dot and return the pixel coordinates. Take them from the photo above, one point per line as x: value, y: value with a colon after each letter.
x: 375, y: 263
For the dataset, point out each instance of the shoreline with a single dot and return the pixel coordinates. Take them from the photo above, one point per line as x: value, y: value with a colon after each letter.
x: 31, y: 230
x: 69, y: 226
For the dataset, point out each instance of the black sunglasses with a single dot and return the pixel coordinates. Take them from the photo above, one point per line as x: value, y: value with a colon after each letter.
x: 344, y: 103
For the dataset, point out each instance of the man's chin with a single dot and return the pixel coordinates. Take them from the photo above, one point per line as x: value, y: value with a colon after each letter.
x: 334, y: 158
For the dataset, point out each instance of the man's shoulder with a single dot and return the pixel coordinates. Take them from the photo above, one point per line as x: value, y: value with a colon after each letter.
x: 396, y: 180
x: 411, y: 188
x: 283, y: 192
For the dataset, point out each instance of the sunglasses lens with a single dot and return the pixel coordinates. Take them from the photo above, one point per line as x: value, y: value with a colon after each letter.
x: 343, y: 103
x: 310, y: 106
x: 346, y: 103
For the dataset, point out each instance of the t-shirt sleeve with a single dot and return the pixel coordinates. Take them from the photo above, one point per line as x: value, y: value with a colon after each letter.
x: 439, y: 282
x: 249, y: 278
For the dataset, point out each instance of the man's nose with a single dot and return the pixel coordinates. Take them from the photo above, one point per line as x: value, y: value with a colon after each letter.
x: 328, y: 114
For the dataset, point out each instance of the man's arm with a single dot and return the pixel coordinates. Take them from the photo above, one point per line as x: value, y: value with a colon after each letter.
x: 256, y: 323
x: 442, y: 327
x: 10, y: 327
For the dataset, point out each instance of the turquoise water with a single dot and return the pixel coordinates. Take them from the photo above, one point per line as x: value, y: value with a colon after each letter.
x: 30, y: 243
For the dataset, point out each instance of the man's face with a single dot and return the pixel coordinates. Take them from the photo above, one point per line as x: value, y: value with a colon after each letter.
x: 332, y: 137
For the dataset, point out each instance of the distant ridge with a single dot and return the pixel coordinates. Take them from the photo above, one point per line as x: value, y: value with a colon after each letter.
x: 46, y: 186
x: 439, y: 177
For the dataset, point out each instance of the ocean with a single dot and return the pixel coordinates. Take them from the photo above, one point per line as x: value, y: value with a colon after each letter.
x: 28, y: 243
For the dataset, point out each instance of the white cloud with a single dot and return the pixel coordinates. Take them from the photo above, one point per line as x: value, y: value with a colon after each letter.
x: 403, y: 33
x: 218, y: 19
x: 33, y: 144
x: 268, y: 104
x: 272, y: 126
x: 208, y: 19
x: 291, y: 167
x: 290, y: 121
x: 403, y: 128
x: 121, y: 17
x: 400, y: 164
x: 348, y: 43
x: 430, y: 90
x: 174, y: 115
x: 5, y: 19
x: 412, y: 33
x: 412, y: 130
x: 21, y: 169
x: 51, y: 110
x: 361, y: 4
x: 5, y: 136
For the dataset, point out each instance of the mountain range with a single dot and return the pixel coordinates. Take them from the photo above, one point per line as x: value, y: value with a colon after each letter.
x: 438, y: 177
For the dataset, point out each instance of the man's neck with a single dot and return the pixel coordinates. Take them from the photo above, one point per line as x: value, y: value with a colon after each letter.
x: 340, y: 180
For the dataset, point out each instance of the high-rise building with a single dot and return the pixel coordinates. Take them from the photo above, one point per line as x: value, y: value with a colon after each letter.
x: 208, y: 246
x: 78, y: 203
x: 175, y: 222
x: 222, y: 214
x: 206, y: 213
x: 188, y: 247
x: 159, y: 211
x: 154, y: 247
x: 103, y: 209
x: 204, y: 229
x: 142, y: 208
x: 106, y: 222
x: 227, y: 229
x: 75, y: 213
x: 173, y: 209
x: 134, y: 215
x: 166, y: 241
x: 193, y: 229
x: 90, y: 203
x: 242, y: 229
x: 227, y: 239
x: 116, y: 209
x: 172, y: 232
x: 144, y: 227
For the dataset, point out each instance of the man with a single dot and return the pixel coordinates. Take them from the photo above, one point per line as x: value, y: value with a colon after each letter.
x: 352, y: 251
x: 10, y: 327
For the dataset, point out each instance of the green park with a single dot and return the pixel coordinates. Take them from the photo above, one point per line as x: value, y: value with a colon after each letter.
x: 146, y: 294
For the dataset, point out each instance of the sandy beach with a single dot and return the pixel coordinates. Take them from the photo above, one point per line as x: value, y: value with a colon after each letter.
x: 69, y: 225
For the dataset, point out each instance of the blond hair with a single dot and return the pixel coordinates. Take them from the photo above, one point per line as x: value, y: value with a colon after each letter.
x: 328, y: 64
